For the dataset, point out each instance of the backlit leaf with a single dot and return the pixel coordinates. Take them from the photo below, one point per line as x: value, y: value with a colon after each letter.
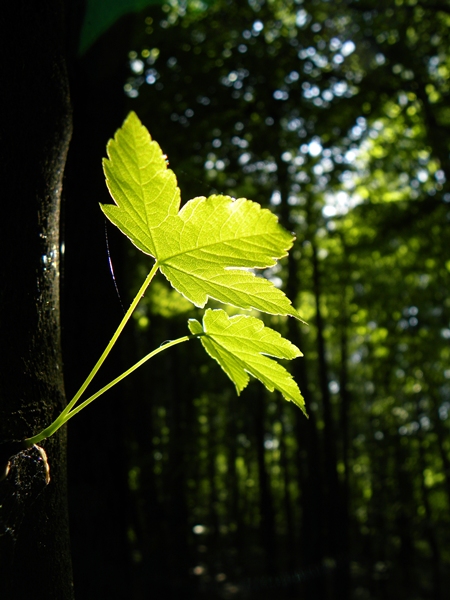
x: 207, y: 248
x: 242, y: 346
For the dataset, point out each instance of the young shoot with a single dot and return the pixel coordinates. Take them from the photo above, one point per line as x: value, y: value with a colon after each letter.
x: 204, y: 250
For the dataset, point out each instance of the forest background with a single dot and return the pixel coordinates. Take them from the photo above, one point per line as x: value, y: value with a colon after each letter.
x: 336, y: 116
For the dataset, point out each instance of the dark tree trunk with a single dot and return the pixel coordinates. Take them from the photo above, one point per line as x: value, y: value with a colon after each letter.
x: 430, y: 530
x: 309, y: 456
x: 345, y: 396
x: 337, y: 532
x: 180, y: 410
x: 266, y: 508
x: 404, y: 517
x: 212, y: 476
x: 291, y: 545
x: 441, y: 435
x: 236, y: 516
x: 34, y: 137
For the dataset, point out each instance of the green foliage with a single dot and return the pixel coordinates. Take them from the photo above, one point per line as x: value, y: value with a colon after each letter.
x: 239, y: 343
x: 204, y: 250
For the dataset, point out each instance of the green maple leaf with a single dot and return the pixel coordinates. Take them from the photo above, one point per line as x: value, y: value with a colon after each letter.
x: 241, y: 345
x: 206, y: 248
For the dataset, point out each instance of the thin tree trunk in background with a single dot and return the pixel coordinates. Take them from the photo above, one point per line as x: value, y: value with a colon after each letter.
x: 291, y: 529
x: 309, y: 456
x: 308, y: 462
x: 375, y: 548
x: 334, y: 499
x: 180, y: 412
x: 403, y: 519
x: 441, y: 434
x: 34, y: 137
x: 267, y: 513
x: 344, y: 520
x: 287, y: 500
x: 211, y: 470
x: 345, y: 396
x: 284, y: 184
x: 430, y: 530
x: 312, y: 501
x: 233, y: 482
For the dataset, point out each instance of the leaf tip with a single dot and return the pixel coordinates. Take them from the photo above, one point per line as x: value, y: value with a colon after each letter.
x: 300, y: 402
x: 294, y: 313
x: 132, y: 119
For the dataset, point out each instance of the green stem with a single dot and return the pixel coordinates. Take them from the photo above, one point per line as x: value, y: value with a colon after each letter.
x: 65, y: 416
x: 113, y: 340
x: 104, y: 389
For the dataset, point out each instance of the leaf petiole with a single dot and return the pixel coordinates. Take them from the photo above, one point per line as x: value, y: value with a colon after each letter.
x: 69, y: 410
x: 104, y: 389
x: 65, y: 416
x: 113, y: 340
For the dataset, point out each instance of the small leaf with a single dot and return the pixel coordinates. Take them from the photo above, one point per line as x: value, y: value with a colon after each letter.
x: 240, y: 345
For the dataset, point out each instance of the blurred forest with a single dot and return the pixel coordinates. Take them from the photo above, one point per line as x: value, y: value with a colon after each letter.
x: 335, y: 115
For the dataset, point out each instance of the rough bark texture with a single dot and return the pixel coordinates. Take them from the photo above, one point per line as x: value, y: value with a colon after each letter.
x: 34, y: 136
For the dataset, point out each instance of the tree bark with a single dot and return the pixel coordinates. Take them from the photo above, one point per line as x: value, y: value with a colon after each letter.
x: 34, y: 137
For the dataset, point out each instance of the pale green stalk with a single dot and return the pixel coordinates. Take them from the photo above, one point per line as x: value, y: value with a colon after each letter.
x: 64, y: 417
x: 109, y: 347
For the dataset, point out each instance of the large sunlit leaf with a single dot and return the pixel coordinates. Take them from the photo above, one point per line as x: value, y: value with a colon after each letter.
x: 198, y: 249
x: 242, y: 346
x: 207, y: 248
